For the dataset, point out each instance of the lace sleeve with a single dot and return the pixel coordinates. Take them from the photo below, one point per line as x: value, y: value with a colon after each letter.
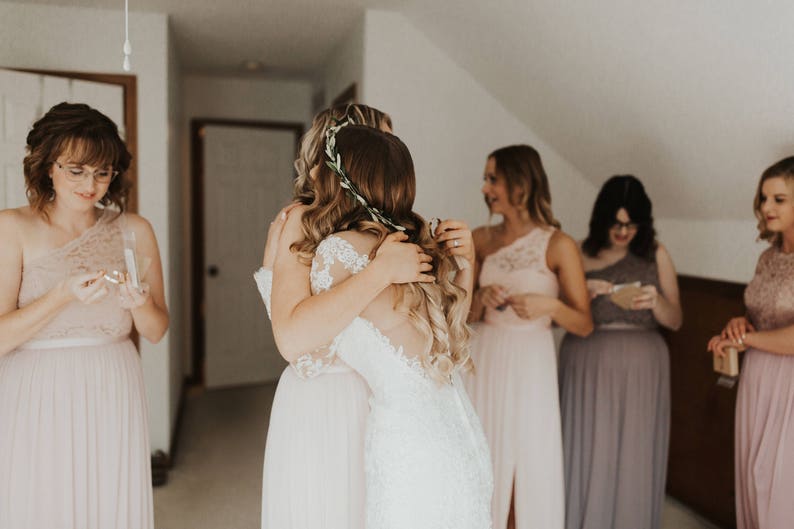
x: 335, y: 260
x: 264, y: 282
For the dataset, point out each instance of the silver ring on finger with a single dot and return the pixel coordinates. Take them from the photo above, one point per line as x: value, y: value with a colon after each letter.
x: 455, y: 243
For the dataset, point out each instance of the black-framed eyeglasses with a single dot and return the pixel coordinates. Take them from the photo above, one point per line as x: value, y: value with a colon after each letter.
x: 630, y: 226
x: 76, y: 173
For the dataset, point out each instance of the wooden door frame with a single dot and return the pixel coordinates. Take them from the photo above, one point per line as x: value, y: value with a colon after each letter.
x: 197, y: 224
x: 129, y: 85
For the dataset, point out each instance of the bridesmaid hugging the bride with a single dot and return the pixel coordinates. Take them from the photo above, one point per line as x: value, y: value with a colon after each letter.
x: 351, y: 284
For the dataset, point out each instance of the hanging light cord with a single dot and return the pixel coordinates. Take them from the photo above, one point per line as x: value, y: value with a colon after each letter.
x: 127, y: 45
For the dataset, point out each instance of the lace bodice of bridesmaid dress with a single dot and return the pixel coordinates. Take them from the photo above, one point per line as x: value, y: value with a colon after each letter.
x: 100, y: 247
x: 521, y: 268
x: 629, y: 269
x: 769, y: 297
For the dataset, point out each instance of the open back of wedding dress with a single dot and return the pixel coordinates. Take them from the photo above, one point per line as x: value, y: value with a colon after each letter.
x: 426, y: 459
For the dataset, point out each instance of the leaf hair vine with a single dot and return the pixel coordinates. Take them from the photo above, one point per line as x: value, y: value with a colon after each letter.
x: 334, y: 162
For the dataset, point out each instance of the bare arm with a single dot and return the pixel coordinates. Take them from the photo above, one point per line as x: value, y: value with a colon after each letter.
x: 477, y: 309
x: 572, y: 310
x: 778, y: 341
x: 20, y: 325
x: 302, y: 322
x: 151, y: 318
x: 668, y: 305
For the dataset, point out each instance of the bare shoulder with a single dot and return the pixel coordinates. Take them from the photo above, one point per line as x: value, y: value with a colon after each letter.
x: 139, y: 225
x: 16, y: 223
x: 561, y: 242
x: 137, y: 222
x: 662, y: 255
x: 562, y: 251
x: 483, y: 237
x: 293, y: 225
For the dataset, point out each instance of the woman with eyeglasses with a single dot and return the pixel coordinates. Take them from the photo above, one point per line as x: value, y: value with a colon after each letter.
x: 74, y: 447
x: 615, y: 383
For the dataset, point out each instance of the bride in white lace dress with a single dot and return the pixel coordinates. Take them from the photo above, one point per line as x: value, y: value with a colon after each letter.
x: 426, y: 459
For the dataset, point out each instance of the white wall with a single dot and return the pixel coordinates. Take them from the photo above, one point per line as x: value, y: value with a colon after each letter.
x: 37, y: 36
x: 450, y: 123
x: 694, y: 98
x: 229, y: 98
x: 345, y: 64
x: 715, y: 249
x: 241, y: 98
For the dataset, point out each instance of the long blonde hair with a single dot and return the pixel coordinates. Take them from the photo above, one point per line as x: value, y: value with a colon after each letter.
x: 783, y: 169
x: 313, y: 142
x: 381, y: 167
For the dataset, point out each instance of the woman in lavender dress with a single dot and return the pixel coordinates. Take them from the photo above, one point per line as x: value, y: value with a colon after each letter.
x: 615, y: 383
x: 765, y: 405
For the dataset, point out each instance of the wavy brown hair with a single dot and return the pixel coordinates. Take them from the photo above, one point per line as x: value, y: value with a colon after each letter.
x: 381, y: 167
x: 783, y: 169
x: 313, y: 142
x: 89, y: 138
x: 522, y: 169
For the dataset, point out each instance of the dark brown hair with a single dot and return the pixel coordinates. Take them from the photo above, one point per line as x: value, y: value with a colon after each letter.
x: 622, y: 192
x: 783, y: 169
x: 523, y: 171
x: 89, y: 137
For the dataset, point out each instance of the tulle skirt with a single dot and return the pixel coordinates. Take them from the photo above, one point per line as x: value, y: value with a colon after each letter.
x: 314, y: 458
x: 615, y: 397
x: 74, y: 447
x: 765, y: 442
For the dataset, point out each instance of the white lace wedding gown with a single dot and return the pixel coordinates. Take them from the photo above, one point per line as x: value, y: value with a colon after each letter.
x: 426, y: 460
x: 427, y: 464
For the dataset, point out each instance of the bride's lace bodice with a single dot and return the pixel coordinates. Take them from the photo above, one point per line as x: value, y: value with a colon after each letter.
x: 101, y: 247
x: 427, y: 461
x: 426, y: 458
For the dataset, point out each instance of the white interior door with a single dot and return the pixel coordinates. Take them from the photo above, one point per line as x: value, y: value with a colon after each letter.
x: 25, y: 97
x: 247, y: 179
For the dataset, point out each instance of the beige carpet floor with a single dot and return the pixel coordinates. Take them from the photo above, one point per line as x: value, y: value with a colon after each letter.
x: 216, y: 481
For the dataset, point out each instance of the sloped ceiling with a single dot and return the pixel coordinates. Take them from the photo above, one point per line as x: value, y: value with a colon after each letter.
x: 695, y: 98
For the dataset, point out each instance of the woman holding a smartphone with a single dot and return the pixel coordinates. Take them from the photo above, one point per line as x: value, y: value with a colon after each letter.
x: 615, y: 383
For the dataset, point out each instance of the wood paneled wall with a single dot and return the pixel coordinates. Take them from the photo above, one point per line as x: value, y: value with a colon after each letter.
x: 700, y: 468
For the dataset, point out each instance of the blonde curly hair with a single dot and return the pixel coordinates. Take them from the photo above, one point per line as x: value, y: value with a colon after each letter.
x: 380, y: 166
x: 313, y: 142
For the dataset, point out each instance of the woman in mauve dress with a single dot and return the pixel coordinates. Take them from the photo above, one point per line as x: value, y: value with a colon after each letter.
x: 615, y: 383
x: 74, y: 446
x: 529, y: 275
x: 765, y: 405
